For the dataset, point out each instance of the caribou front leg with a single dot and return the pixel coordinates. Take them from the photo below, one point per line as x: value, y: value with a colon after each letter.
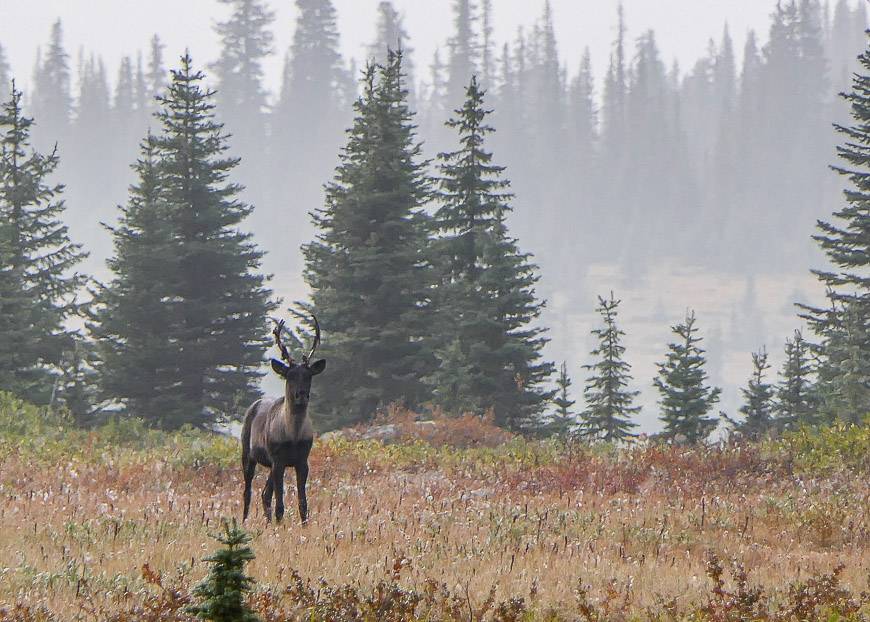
x: 278, y: 481
x: 301, y: 478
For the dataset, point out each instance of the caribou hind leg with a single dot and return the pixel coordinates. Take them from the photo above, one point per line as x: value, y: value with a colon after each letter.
x: 267, y: 498
x: 248, y: 470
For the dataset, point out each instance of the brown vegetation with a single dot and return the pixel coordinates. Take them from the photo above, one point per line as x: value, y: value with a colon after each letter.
x: 519, y: 531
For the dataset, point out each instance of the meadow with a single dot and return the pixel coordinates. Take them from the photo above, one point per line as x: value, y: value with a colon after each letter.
x: 454, y: 521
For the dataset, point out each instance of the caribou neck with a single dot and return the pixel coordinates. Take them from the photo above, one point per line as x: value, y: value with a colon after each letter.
x: 293, y: 416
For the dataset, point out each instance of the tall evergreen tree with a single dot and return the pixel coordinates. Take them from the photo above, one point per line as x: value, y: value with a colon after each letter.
x: 850, y: 386
x: 132, y: 323
x: 124, y: 102
x: 37, y: 282
x: 127, y: 119
x: 306, y: 123
x: 484, y: 300
x: 584, y: 114
x: 246, y: 42
x: 757, y: 409
x: 140, y: 97
x: 846, y: 243
x: 390, y: 34
x: 155, y: 77
x: 52, y: 99
x: 365, y: 268
x: 5, y: 76
x: 463, y: 51
x: 487, y: 46
x: 544, y: 98
x: 795, y: 397
x: 179, y: 245
x: 615, y: 91
x: 91, y: 151
x: 609, y: 402
x: 685, y: 397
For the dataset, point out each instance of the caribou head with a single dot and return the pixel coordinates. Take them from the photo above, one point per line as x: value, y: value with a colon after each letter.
x: 297, y: 375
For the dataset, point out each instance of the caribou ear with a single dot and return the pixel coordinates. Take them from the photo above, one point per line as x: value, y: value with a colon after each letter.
x: 317, y: 367
x: 279, y: 368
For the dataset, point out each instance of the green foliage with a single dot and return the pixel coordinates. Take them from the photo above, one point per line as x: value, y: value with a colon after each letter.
x: 41, y: 434
x: 685, y: 397
x: 78, y: 383
x: 564, y: 420
x: 757, y: 406
x: 844, y: 328
x: 796, y: 400
x: 609, y: 402
x: 181, y: 326
x: 37, y: 285
x: 221, y: 596
x: 368, y: 278
x: 844, y: 372
x: 828, y: 448
x: 488, y: 353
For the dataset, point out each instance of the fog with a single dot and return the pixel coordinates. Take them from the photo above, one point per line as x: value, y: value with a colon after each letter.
x: 695, y: 183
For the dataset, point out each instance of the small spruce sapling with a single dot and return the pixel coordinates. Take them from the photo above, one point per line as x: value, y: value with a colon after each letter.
x: 757, y: 408
x: 610, y: 404
x: 221, y: 595
x: 564, y: 420
x: 685, y: 397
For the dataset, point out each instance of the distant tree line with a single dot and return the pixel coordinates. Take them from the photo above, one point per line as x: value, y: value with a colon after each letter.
x: 657, y: 155
x: 423, y: 293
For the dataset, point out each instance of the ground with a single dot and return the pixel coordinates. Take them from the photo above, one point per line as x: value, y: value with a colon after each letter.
x: 114, y: 525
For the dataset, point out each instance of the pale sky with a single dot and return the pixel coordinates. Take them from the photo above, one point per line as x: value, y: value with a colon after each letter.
x: 114, y: 27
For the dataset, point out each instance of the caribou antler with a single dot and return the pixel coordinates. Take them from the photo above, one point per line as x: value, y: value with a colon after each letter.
x: 285, y: 353
x: 307, y: 358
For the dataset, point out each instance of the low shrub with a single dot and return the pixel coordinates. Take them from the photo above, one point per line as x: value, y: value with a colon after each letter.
x: 826, y: 449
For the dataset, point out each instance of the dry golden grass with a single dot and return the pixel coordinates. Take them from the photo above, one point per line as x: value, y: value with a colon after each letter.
x: 633, y: 529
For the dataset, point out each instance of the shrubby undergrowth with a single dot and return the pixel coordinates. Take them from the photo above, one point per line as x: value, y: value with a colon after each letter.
x: 443, y: 524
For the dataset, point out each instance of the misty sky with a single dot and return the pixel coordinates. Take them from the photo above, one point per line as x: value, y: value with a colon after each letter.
x: 115, y: 27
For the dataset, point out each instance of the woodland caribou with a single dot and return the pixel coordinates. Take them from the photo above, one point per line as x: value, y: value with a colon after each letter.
x: 277, y: 432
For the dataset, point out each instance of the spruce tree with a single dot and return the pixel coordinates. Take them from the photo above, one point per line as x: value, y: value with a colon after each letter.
x: 463, y: 51
x: 77, y: 385
x: 52, y: 101
x: 246, y: 42
x: 485, y: 300
x: 757, y: 408
x: 131, y: 320
x: 37, y: 259
x: 564, y: 420
x: 487, y: 45
x: 685, y: 397
x: 844, y: 370
x: 307, y: 125
x: 155, y: 77
x: 5, y: 76
x: 179, y: 246
x: 221, y: 595
x: 391, y: 35
x: 845, y: 240
x: 366, y: 270
x: 609, y: 402
x: 92, y: 148
x: 795, y: 396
